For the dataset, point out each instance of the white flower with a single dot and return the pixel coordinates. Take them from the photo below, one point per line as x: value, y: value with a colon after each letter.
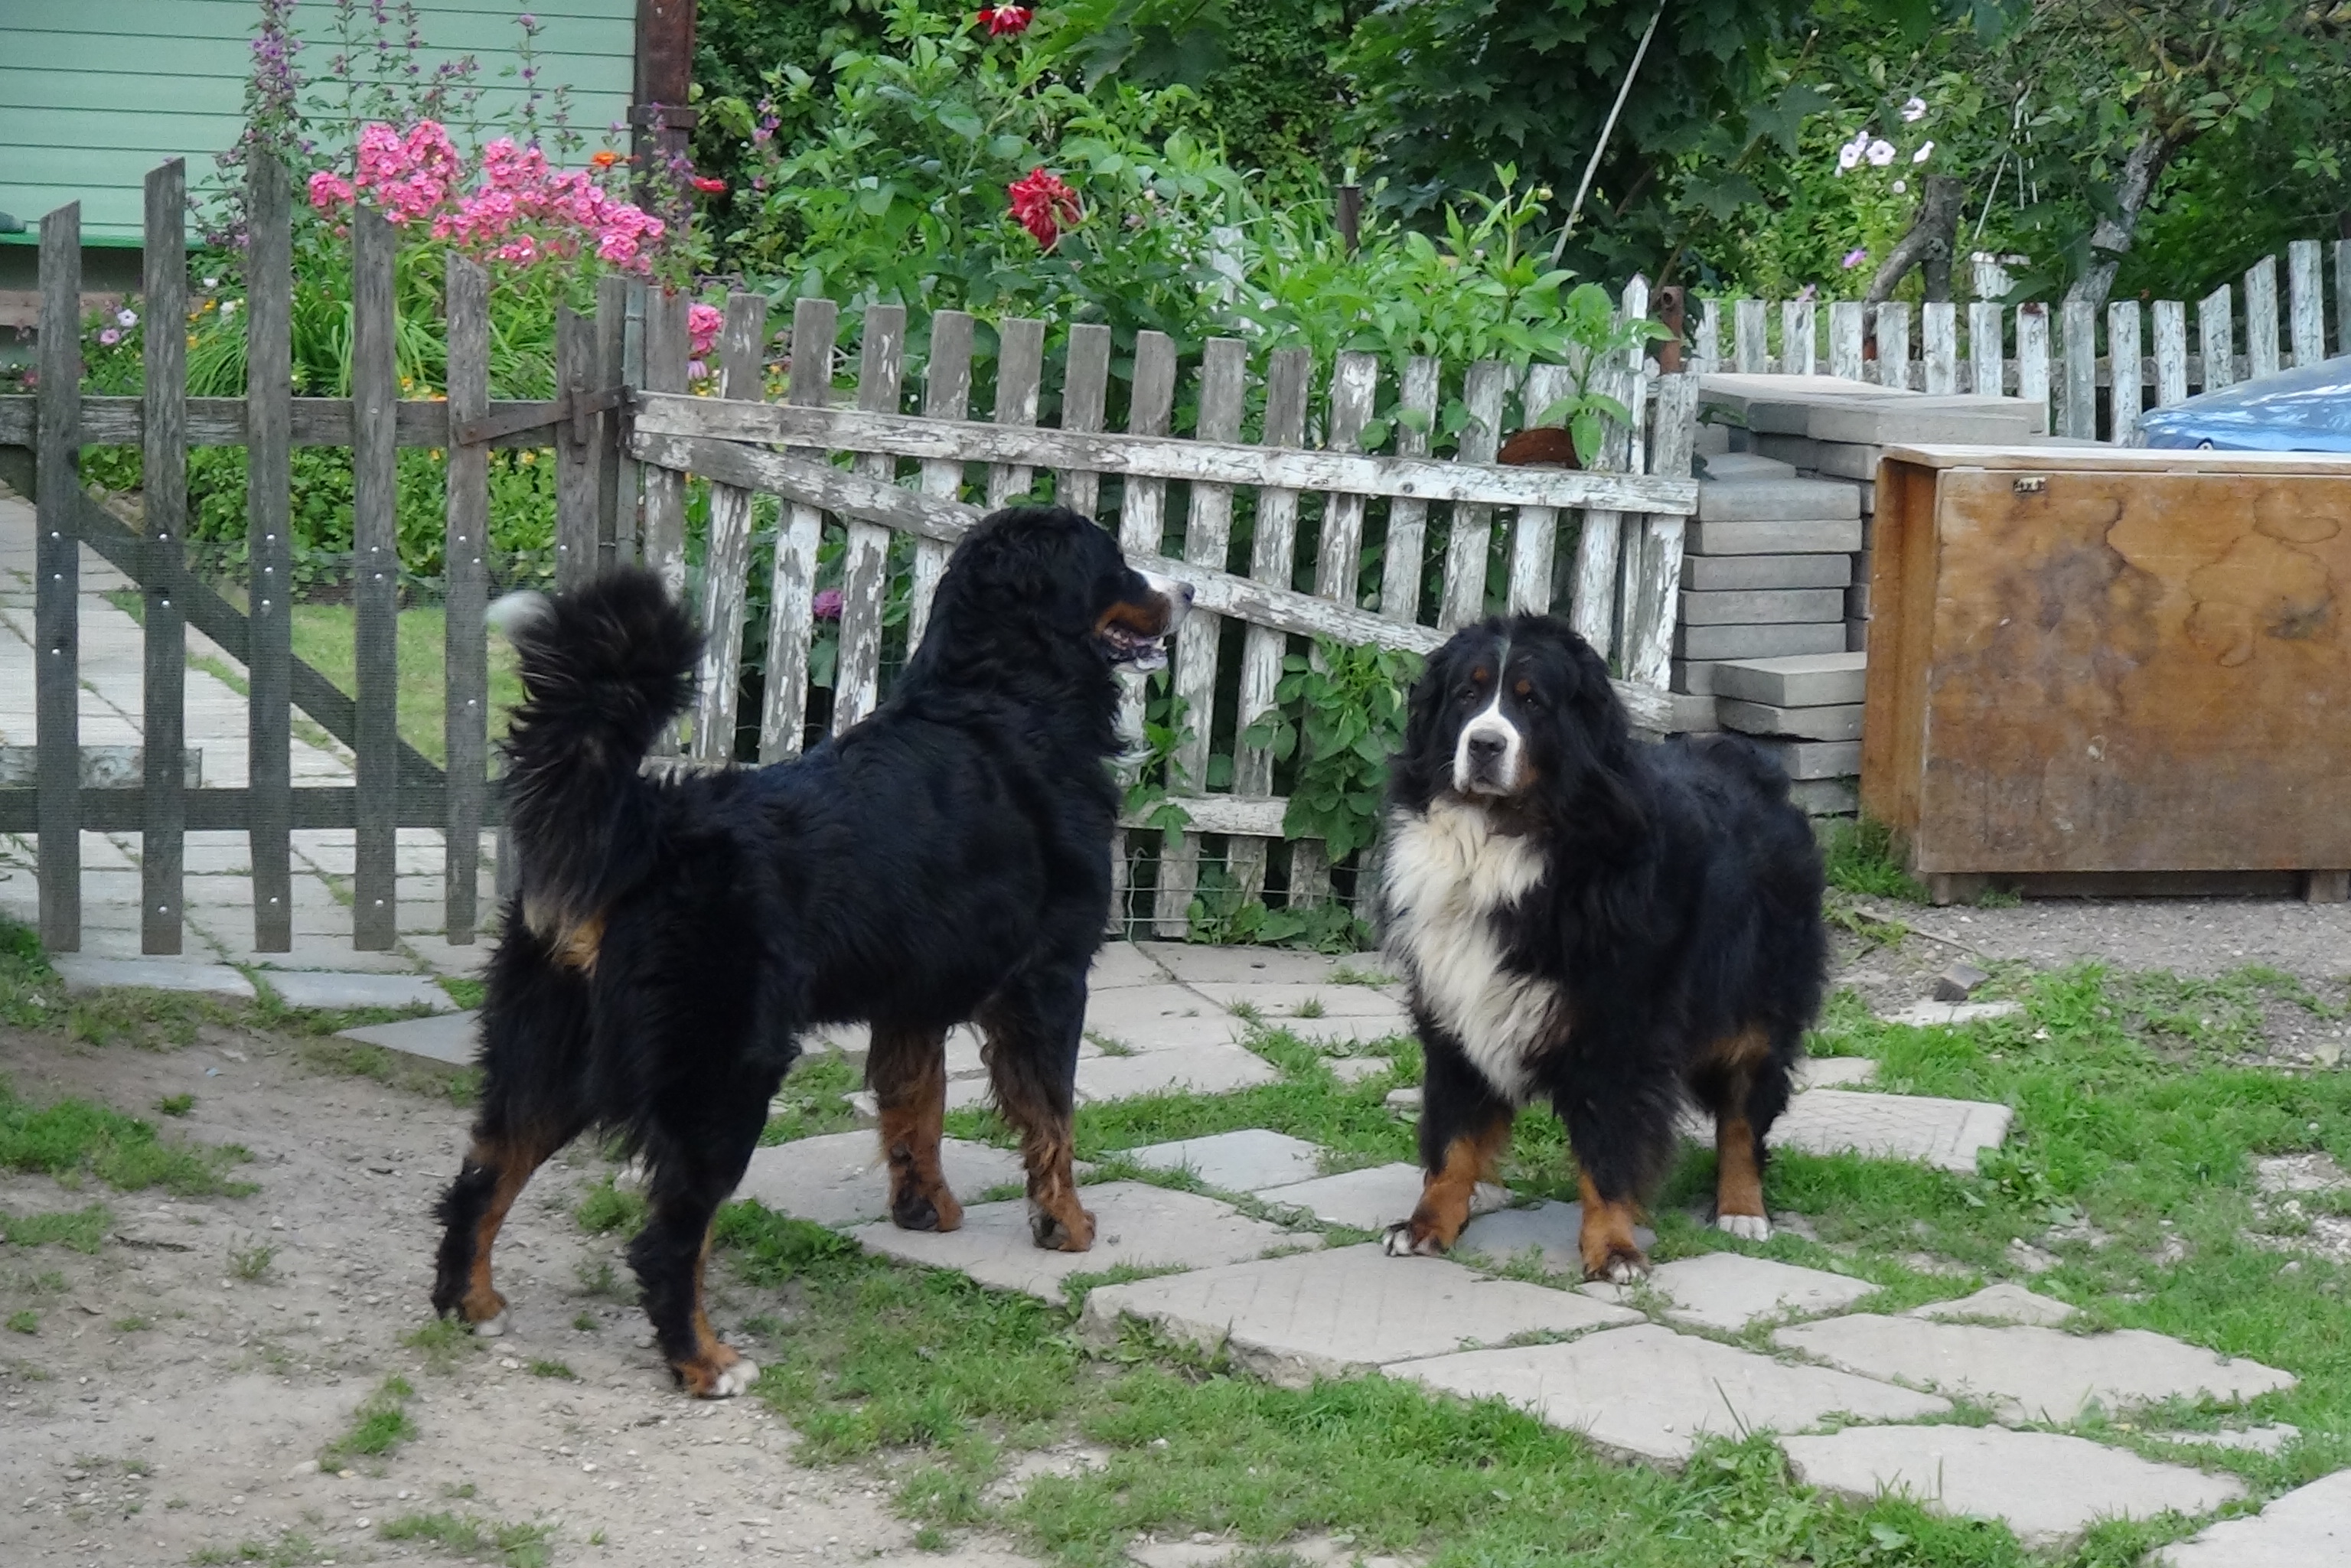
x: 212, y: 283
x: 1926, y: 150
x: 1901, y: 186
x: 1915, y: 110
x: 228, y: 306
x: 127, y: 317
x: 1880, y: 154
x: 1848, y: 156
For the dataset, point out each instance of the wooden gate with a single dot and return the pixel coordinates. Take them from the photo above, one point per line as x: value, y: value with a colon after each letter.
x: 1295, y: 535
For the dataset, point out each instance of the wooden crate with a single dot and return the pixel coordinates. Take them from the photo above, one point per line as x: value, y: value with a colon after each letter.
x: 2094, y: 660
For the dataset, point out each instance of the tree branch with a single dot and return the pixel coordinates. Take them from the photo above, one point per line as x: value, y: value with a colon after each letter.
x: 1933, y: 240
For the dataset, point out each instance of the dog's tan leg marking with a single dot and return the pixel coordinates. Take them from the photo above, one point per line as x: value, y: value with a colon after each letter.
x: 1610, y: 1251
x: 909, y: 1074
x: 513, y: 1159
x: 1739, y: 1167
x: 1445, y: 1192
x: 716, y: 1370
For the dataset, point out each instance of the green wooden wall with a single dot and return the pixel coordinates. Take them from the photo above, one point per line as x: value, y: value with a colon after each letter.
x: 94, y: 93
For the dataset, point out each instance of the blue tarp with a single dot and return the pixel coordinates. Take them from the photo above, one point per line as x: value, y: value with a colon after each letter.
x: 2308, y: 409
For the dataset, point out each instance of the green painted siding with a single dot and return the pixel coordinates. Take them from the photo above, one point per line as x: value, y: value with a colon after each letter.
x: 94, y: 93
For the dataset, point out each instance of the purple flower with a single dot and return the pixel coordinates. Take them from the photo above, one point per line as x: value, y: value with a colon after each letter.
x: 1855, y: 256
x: 1808, y: 291
x: 697, y: 371
x: 109, y: 337
x: 826, y: 604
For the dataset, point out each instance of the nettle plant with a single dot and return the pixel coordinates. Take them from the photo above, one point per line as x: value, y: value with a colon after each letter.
x: 1338, y: 717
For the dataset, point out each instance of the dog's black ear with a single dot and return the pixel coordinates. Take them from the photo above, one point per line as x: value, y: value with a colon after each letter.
x: 1612, y: 790
x: 1411, y: 777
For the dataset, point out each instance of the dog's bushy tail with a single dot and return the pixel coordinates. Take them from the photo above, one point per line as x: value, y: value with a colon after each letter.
x: 605, y: 669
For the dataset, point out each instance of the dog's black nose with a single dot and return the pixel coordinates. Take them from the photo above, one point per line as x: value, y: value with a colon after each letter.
x: 1485, y: 747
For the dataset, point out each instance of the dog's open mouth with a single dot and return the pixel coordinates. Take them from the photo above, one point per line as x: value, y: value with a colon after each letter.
x: 1133, y: 649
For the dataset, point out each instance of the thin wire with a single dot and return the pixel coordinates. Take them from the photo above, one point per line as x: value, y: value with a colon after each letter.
x: 1607, y: 130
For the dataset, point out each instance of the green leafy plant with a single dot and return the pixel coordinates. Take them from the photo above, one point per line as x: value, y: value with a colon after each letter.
x: 1338, y: 716
x: 1592, y: 323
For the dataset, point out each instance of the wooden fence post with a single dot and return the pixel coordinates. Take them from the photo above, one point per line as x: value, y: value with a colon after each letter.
x: 1142, y: 524
x: 1653, y: 592
x: 57, y: 596
x: 667, y: 347
x: 269, y: 660
x: 1985, y: 345
x: 2078, y: 410
x: 1085, y: 392
x: 577, y: 545
x: 1706, y: 354
x: 2033, y: 353
x: 1484, y: 388
x: 2261, y: 318
x: 2215, y: 331
x: 1799, y: 346
x: 782, y: 728
x: 1534, y: 537
x: 866, y: 560
x: 1019, y: 383
x: 1407, y: 541
x: 1273, y: 551
x: 1894, y: 345
x: 2125, y: 391
x: 1207, y: 538
x: 727, y: 552
x: 1939, y: 325
x: 616, y: 476
x: 375, y: 583
x: 465, y: 639
x: 1754, y: 353
x: 2170, y: 352
x: 1593, y: 592
x: 163, y: 468
x: 2306, y: 301
x: 946, y: 394
x: 1846, y: 333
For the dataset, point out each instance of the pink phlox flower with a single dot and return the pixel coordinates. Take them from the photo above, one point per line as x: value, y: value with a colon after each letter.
x: 825, y: 605
x: 1855, y: 256
x: 702, y: 324
x: 329, y: 191
x: 109, y: 337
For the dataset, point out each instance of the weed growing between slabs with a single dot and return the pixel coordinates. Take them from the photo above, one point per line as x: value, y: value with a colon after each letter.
x: 2131, y: 1161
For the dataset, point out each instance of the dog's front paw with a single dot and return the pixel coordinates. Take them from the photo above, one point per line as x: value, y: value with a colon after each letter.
x: 1407, y: 1240
x: 1619, y: 1266
x: 1072, y: 1232
x: 1746, y: 1227
x: 492, y: 1327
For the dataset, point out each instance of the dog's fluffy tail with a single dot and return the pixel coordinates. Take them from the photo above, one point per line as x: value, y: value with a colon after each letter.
x: 605, y: 669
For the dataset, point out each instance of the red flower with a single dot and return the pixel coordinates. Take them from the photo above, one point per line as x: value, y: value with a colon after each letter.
x: 1000, y: 20
x: 1042, y: 203
x: 708, y: 186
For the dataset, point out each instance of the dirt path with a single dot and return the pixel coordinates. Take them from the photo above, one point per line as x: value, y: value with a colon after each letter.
x: 122, y: 1444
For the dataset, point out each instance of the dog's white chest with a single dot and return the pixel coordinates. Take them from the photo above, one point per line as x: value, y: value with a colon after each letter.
x: 1448, y: 873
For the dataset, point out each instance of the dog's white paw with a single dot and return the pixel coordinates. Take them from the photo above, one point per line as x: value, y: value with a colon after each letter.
x: 1399, y: 1244
x: 491, y: 1328
x: 736, y: 1379
x: 1624, y: 1271
x: 1746, y: 1227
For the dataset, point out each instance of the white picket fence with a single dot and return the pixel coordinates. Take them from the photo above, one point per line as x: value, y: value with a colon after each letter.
x: 1986, y: 345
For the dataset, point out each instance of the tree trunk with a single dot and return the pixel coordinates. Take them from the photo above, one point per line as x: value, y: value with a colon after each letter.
x: 2113, y: 235
x: 1933, y: 238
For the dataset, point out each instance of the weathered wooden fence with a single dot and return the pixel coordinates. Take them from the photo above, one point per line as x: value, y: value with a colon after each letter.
x: 2063, y: 362
x: 1294, y: 535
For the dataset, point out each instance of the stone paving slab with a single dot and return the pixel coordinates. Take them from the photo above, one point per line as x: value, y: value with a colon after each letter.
x: 1136, y: 1226
x: 2005, y: 1302
x: 2269, y: 1439
x: 1354, y: 1028
x: 449, y: 1037
x: 82, y: 972
x: 1236, y: 1162
x: 1648, y: 1392
x: 1728, y: 1290
x: 1193, y: 963
x: 1355, y: 1069
x: 1285, y: 1002
x: 1373, y: 1198
x: 2049, y: 1488
x: 316, y: 988
x: 1348, y: 1309
x: 1834, y: 1072
x: 1122, y: 964
x: 2309, y: 1526
x: 1946, y: 1134
x: 839, y: 1179
x: 1550, y: 1228
x: 1149, y: 1018
x: 2037, y: 1374
x: 1933, y: 1014
x: 1213, y: 1067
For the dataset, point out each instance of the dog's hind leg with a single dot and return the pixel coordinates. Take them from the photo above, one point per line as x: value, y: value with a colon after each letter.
x: 907, y: 1071
x: 1464, y: 1126
x: 1744, y: 1083
x: 530, y: 1108
x: 695, y: 1162
x: 1033, y: 1028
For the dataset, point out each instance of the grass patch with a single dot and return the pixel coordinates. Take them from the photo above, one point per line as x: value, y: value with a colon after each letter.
x: 460, y: 1535
x: 73, y: 1138
x: 83, y: 1229
x: 608, y: 1208
x: 813, y: 1099
x: 461, y: 1086
x: 175, y: 1105
x: 251, y: 1262
x: 442, y: 1342
x: 556, y: 1369
x: 289, y: 1551
x: 325, y: 636
x: 464, y: 991
x: 131, y: 1324
x: 33, y: 995
x: 2131, y: 1160
x: 380, y: 1424
x: 1858, y: 856
x: 24, y: 1321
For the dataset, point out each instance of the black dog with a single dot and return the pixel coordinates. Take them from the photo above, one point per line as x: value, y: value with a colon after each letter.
x: 1592, y: 921
x: 946, y: 860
